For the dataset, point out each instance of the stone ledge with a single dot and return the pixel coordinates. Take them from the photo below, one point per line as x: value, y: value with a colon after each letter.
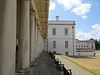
x: 23, y: 71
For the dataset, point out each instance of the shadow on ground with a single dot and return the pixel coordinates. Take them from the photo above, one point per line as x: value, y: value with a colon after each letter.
x: 45, y: 66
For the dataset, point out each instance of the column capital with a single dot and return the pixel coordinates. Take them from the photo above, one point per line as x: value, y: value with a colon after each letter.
x: 32, y: 12
x: 36, y: 19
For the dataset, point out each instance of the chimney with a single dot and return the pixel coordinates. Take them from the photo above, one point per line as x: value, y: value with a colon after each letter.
x: 57, y: 18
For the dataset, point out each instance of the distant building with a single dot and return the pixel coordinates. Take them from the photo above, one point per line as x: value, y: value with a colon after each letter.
x: 84, y: 48
x: 61, y: 37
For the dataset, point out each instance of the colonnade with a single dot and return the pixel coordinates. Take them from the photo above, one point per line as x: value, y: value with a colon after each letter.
x: 18, y: 21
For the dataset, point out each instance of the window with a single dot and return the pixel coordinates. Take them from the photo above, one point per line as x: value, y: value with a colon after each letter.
x: 54, y: 31
x: 84, y: 45
x: 54, y: 44
x: 72, y: 26
x: 81, y: 46
x: 66, y: 31
x: 66, y: 44
x: 92, y: 46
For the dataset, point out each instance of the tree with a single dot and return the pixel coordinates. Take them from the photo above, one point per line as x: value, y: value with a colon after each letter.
x: 99, y: 44
x: 91, y: 39
x: 96, y: 44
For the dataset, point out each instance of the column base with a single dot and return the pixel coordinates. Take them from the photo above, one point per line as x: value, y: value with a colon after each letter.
x: 33, y: 63
x: 23, y: 71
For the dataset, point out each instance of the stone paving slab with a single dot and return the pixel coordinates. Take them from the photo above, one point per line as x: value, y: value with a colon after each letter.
x: 76, y: 69
x: 45, y: 66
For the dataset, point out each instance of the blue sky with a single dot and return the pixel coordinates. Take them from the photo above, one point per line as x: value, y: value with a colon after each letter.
x: 86, y: 14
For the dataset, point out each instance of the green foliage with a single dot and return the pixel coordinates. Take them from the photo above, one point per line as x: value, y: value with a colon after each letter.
x: 91, y: 39
x: 97, y: 44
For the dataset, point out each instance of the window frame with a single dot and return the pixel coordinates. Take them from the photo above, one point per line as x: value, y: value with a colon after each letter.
x: 65, y: 31
x: 54, y: 44
x: 66, y: 44
x: 53, y: 32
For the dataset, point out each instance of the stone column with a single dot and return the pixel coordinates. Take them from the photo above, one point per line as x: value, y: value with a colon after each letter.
x: 7, y: 36
x: 36, y: 38
x: 32, y: 34
x: 24, y: 34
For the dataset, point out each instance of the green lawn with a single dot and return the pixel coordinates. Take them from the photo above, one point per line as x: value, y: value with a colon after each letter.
x: 90, y: 63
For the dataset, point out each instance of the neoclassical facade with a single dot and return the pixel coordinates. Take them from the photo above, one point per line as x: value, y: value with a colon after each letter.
x: 85, y: 47
x: 23, y: 29
x: 61, y: 37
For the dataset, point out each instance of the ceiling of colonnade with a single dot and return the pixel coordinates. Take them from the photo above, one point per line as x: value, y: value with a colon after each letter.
x: 42, y: 11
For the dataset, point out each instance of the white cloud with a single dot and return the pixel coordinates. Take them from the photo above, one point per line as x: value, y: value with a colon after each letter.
x: 82, y: 10
x: 96, y: 30
x: 76, y: 6
x: 49, y: 19
x: 52, y: 6
x: 95, y: 33
x: 96, y: 26
x: 83, y: 35
x: 68, y: 4
x: 84, y: 16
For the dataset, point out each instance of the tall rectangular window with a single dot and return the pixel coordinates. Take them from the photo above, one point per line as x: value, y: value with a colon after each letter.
x: 54, y: 31
x: 54, y: 44
x: 66, y: 31
x: 66, y: 44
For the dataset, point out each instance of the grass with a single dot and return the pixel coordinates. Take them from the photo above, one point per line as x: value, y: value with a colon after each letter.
x: 92, y: 64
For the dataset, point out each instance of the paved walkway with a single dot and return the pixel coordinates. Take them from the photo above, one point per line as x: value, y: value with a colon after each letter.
x: 45, y: 66
x: 76, y: 70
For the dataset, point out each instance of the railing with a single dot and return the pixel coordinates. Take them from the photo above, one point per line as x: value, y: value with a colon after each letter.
x: 67, y: 72
x: 84, y: 50
x: 60, y: 66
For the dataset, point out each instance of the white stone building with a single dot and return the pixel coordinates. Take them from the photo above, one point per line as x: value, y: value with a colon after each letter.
x: 61, y: 37
x: 85, y: 48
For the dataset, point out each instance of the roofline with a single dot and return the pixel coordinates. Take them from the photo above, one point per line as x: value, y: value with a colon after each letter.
x: 61, y: 24
x: 59, y: 21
